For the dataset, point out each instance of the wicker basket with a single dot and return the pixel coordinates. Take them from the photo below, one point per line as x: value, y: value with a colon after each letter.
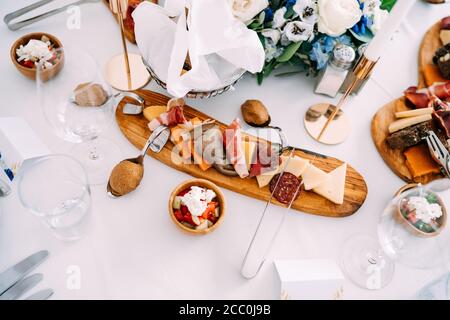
x: 193, y: 94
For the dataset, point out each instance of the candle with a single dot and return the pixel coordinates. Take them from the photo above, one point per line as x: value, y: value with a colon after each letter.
x: 392, y: 23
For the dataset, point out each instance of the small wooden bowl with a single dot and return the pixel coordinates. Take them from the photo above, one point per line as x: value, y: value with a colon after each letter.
x: 442, y: 220
x: 31, y: 72
x: 204, y: 184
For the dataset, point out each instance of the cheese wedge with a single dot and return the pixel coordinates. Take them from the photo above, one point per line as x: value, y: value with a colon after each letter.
x: 264, y: 179
x: 445, y: 36
x: 296, y: 165
x: 333, y: 188
x: 407, y: 122
x: 153, y: 112
x: 313, y: 177
x: 249, y: 152
x: 413, y: 113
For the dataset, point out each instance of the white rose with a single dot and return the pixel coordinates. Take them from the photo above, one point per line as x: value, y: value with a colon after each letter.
x: 336, y: 16
x: 378, y: 18
x: 278, y: 18
x: 246, y: 10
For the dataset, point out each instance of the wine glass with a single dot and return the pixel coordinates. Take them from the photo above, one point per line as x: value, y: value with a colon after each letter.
x: 403, y: 237
x: 79, y: 105
x: 56, y: 189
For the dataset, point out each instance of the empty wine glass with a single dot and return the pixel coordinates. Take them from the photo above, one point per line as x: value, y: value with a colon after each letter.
x: 416, y: 239
x: 79, y: 105
x: 56, y: 189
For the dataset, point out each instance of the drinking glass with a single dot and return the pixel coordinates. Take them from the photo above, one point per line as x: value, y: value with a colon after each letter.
x: 369, y: 262
x: 56, y: 189
x: 80, y: 124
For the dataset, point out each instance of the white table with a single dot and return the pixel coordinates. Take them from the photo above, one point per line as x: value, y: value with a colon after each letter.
x: 135, y: 252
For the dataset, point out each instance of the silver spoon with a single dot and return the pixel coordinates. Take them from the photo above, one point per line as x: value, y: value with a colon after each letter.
x: 155, y: 142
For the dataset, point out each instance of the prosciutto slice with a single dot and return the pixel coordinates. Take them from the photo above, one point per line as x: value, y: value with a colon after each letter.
x: 234, y: 148
x: 423, y: 97
x: 170, y: 118
x: 443, y: 118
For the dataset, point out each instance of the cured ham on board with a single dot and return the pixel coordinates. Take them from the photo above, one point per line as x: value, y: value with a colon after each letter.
x: 234, y: 148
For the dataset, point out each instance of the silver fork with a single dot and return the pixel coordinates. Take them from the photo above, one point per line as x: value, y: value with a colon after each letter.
x: 439, y: 152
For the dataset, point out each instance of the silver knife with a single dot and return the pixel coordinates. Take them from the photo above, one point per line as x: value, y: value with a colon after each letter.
x: 9, y: 277
x: 41, y: 295
x: 22, y: 286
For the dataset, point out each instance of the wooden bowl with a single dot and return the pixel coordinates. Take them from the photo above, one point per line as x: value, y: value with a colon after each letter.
x: 442, y: 220
x: 31, y: 72
x: 204, y: 184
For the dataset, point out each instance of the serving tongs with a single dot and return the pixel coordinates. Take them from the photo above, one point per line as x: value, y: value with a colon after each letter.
x: 18, y: 13
x: 268, y: 228
x: 439, y: 152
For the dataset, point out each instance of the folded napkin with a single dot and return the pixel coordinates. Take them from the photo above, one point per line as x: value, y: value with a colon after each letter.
x: 220, y: 47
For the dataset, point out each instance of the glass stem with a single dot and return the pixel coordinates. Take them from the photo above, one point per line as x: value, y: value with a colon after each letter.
x: 93, y: 151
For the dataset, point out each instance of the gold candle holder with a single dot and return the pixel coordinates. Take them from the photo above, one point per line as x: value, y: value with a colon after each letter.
x: 126, y: 71
x: 327, y: 123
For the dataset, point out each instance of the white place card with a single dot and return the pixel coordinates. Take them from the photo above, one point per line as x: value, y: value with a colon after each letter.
x: 18, y: 142
x: 311, y: 279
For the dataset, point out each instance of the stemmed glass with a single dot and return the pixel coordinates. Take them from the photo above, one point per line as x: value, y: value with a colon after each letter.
x: 55, y: 188
x: 369, y: 262
x: 81, y: 124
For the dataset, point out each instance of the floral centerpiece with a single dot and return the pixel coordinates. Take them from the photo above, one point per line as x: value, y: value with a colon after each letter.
x: 303, y: 33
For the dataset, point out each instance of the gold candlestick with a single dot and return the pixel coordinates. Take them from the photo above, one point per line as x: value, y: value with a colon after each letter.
x: 336, y: 124
x: 125, y: 72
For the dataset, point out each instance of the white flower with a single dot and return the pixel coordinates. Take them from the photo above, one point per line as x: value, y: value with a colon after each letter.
x: 297, y: 31
x: 378, y: 18
x: 336, y: 16
x: 246, y: 10
x: 278, y: 18
x: 307, y: 10
x: 272, y: 34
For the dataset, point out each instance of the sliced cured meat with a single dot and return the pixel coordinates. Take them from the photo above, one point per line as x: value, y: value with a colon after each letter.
x: 443, y: 118
x: 235, y: 149
x: 441, y: 90
x: 285, y: 187
x: 437, y: 104
x: 445, y: 23
x: 170, y: 118
x: 266, y: 160
x: 418, y: 99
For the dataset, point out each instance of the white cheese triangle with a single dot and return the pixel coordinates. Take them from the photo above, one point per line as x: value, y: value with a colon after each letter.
x: 313, y: 177
x: 264, y: 179
x: 296, y: 165
x: 333, y: 189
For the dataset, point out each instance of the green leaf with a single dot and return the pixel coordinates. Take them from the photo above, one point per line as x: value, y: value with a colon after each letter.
x: 289, y: 52
x: 362, y: 37
x: 289, y: 13
x: 261, y: 17
x: 387, y: 4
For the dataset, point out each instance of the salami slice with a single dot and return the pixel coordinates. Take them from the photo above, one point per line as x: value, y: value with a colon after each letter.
x: 286, y: 188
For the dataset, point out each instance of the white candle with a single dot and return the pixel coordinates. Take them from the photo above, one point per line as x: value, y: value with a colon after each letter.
x: 392, y: 23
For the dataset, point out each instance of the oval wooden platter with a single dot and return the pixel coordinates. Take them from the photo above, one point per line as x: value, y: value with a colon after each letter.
x: 136, y: 131
x: 386, y: 115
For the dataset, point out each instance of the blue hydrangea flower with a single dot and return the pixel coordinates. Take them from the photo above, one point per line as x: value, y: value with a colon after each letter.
x: 290, y: 3
x: 268, y: 14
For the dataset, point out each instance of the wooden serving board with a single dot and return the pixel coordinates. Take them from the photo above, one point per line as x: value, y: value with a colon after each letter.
x: 430, y: 43
x: 386, y: 115
x: 136, y: 131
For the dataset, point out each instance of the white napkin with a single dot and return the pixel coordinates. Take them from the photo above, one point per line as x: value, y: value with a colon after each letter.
x: 220, y: 46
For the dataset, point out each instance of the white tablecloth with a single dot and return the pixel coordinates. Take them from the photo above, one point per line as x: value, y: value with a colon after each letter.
x: 135, y: 251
